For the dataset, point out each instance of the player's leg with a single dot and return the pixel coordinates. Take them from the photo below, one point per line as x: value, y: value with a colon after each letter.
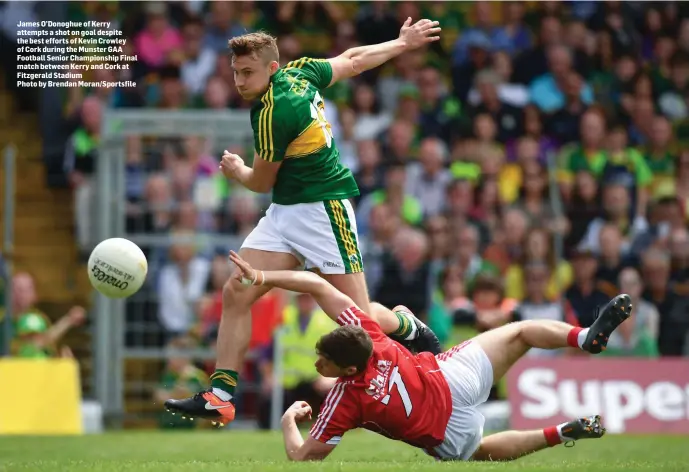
x: 505, y: 345
x: 404, y: 327
x: 510, y: 445
x: 264, y: 250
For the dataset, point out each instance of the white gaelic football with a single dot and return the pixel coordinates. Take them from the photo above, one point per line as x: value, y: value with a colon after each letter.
x: 117, y: 268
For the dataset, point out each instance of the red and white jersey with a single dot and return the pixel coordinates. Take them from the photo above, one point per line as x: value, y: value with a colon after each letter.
x: 400, y: 395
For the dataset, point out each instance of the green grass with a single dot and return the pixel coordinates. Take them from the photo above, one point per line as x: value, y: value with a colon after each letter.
x: 360, y: 451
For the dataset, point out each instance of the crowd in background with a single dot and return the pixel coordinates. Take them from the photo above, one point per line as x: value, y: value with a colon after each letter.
x: 531, y: 164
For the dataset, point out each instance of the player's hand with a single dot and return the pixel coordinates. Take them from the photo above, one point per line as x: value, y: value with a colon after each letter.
x: 245, y: 274
x: 420, y: 33
x: 300, y: 411
x: 230, y: 164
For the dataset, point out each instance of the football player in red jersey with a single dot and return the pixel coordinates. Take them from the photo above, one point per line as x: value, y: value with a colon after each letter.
x: 427, y: 401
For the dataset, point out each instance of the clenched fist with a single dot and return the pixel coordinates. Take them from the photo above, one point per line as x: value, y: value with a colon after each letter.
x: 231, y: 164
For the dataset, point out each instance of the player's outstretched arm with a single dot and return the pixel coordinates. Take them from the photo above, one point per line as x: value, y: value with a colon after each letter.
x: 332, y: 301
x: 296, y: 448
x: 354, y: 61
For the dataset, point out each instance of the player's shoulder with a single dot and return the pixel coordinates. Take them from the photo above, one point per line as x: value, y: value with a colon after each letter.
x: 317, y: 72
x: 304, y: 63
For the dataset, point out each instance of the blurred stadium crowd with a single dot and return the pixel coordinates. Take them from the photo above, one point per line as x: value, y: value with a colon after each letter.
x: 531, y: 164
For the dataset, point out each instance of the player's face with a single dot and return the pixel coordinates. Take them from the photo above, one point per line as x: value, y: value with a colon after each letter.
x: 328, y: 368
x: 252, y: 75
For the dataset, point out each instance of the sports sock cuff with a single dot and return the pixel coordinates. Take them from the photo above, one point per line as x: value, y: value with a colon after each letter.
x: 225, y: 380
x: 573, y: 336
x: 552, y: 436
x: 407, y: 327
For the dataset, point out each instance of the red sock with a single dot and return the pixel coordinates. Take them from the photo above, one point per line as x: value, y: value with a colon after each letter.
x: 552, y: 436
x: 572, y: 337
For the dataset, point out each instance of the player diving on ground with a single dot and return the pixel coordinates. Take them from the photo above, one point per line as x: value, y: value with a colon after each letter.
x: 428, y: 401
x: 310, y: 223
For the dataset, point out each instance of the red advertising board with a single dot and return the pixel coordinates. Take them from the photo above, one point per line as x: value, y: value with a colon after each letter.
x: 633, y: 396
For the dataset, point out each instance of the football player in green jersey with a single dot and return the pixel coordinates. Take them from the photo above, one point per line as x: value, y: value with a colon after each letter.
x: 310, y: 223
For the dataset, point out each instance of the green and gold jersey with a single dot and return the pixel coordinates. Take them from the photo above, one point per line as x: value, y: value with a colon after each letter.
x: 290, y: 126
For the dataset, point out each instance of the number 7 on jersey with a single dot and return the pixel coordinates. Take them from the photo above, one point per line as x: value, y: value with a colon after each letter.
x: 396, y: 380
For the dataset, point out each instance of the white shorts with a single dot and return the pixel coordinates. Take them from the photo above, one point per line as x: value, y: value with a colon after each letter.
x: 469, y: 374
x: 322, y: 235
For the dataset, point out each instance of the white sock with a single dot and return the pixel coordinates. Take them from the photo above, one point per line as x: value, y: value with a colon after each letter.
x: 581, y: 337
x: 222, y: 394
x: 563, y: 436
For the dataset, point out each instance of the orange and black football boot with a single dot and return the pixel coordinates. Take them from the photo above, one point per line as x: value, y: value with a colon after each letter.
x: 607, y: 320
x: 203, y: 405
x: 425, y: 340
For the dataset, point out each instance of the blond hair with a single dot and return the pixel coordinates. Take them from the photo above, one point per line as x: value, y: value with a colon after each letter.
x: 260, y: 44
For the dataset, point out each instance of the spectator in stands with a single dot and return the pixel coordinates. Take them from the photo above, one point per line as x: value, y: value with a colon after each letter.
x: 488, y: 308
x: 369, y: 173
x: 196, y: 61
x: 538, y: 247
x: 465, y: 251
x: 584, y: 295
x: 383, y: 225
x: 638, y: 335
x: 181, y: 284
x: 371, y: 122
x: 537, y: 305
x: 398, y: 143
x: 673, y: 307
x: 584, y: 207
x: 79, y: 164
x: 507, y: 117
x: 612, y: 259
x: 617, y: 212
x: 588, y: 155
x: 547, y: 91
x: 440, y: 113
x: 508, y: 242
x: 407, y: 278
x: 303, y: 325
x: 427, y: 180
x: 36, y: 336
x: 679, y: 253
x: 406, y: 206
x: 159, y: 38
x: 221, y: 24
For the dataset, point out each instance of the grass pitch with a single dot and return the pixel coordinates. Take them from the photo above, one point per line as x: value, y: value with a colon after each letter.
x: 241, y: 451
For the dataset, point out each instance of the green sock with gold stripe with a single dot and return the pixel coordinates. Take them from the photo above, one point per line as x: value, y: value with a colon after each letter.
x: 223, y: 383
x: 407, y: 328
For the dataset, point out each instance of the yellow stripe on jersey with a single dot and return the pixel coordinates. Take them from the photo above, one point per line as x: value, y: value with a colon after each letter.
x: 265, y: 126
x: 310, y: 141
x: 345, y: 233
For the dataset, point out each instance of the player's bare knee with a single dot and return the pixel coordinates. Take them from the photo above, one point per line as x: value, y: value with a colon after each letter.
x: 239, y: 296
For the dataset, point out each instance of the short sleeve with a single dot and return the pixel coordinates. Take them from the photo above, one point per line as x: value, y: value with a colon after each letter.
x: 271, y: 127
x: 318, y: 72
x: 354, y: 316
x: 338, y: 415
